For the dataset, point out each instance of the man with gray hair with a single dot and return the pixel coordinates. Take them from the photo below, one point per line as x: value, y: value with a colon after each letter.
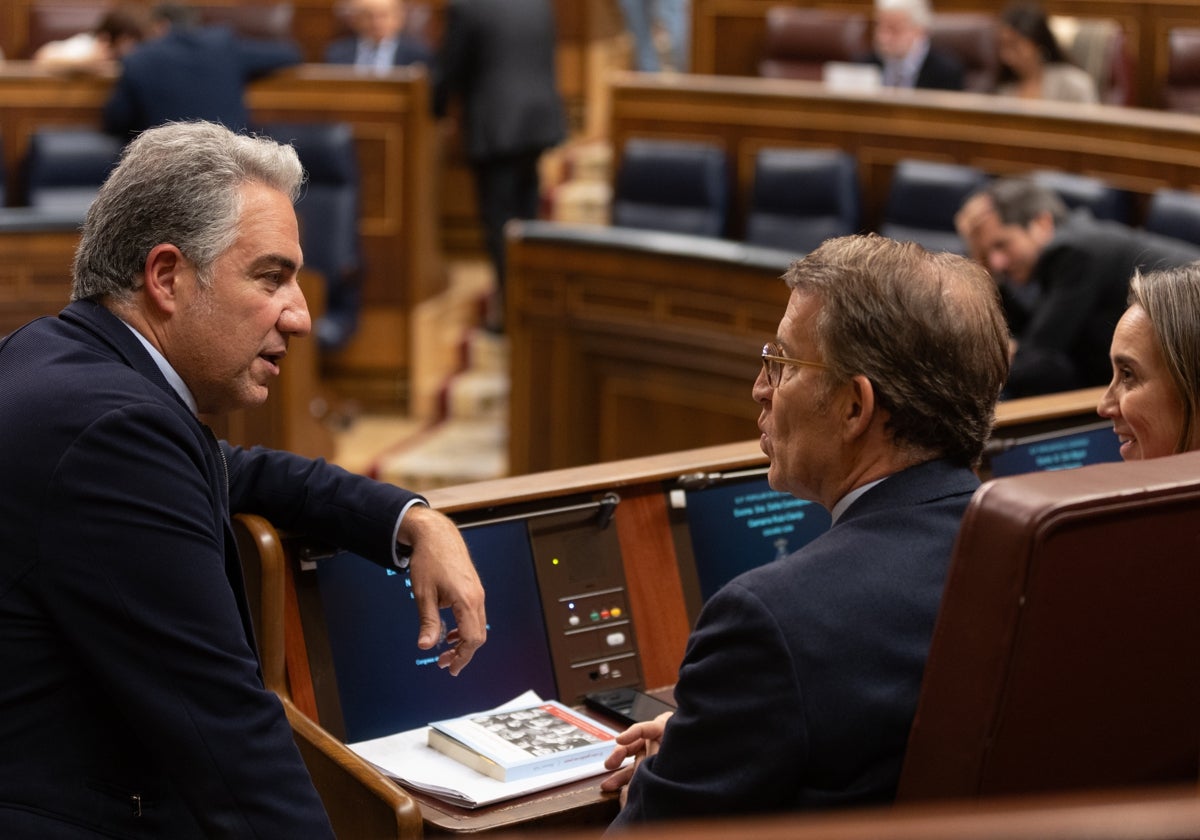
x: 800, y: 680
x: 903, y: 51
x: 132, y: 703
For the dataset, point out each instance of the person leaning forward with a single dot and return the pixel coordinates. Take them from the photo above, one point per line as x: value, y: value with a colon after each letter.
x: 132, y: 703
x: 800, y: 680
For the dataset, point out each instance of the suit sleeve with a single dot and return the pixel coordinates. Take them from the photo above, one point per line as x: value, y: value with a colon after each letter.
x: 738, y: 722
x: 137, y: 582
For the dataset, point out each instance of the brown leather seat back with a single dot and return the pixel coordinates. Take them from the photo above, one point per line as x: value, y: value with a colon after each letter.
x: 800, y: 41
x: 971, y: 38
x: 1067, y: 651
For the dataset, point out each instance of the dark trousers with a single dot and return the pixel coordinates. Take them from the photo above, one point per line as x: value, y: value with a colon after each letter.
x: 506, y: 188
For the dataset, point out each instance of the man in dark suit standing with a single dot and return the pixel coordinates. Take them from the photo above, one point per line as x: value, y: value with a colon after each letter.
x: 800, y: 680
x: 190, y: 72
x: 132, y: 703
x: 498, y: 57
x: 903, y: 51
x: 379, y: 42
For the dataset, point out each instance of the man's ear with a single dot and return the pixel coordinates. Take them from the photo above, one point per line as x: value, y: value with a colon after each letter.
x: 858, y: 407
x: 161, y: 277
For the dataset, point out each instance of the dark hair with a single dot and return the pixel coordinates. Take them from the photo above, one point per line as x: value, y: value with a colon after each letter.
x: 925, y: 328
x: 1030, y: 22
x: 124, y: 21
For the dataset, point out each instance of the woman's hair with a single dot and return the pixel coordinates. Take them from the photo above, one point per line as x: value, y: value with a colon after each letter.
x: 179, y: 183
x: 1171, y: 300
x: 1030, y: 22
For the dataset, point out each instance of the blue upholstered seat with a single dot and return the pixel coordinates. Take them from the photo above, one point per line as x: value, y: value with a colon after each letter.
x: 1174, y: 213
x: 671, y: 185
x: 801, y: 197
x: 923, y: 199
x: 65, y: 166
x: 1103, y: 199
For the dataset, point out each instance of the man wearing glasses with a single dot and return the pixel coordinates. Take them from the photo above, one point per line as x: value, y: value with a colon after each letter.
x: 801, y: 677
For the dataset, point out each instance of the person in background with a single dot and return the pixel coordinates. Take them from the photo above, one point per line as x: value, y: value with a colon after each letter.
x: 379, y: 42
x: 1153, y: 400
x: 1078, y: 266
x: 673, y: 17
x: 498, y: 58
x: 118, y: 31
x: 800, y: 680
x: 903, y: 52
x: 1033, y: 64
x: 190, y: 72
x: 133, y: 703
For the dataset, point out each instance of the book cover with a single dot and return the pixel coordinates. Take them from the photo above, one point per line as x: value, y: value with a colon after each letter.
x: 523, y: 742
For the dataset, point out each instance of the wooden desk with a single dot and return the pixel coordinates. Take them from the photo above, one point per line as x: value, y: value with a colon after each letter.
x: 1135, y: 150
x: 728, y: 35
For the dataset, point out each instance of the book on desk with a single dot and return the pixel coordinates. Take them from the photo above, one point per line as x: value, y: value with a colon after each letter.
x: 519, y: 743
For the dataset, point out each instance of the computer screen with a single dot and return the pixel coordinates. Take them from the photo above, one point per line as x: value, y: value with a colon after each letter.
x: 738, y: 522
x: 1061, y: 450
x: 387, y: 684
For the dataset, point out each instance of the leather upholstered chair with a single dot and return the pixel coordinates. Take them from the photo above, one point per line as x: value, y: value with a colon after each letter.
x: 672, y: 185
x: 1174, y: 213
x: 1103, y: 200
x: 65, y: 166
x: 801, y: 197
x: 799, y: 41
x: 328, y: 211
x: 971, y: 38
x: 1182, y: 92
x: 922, y: 200
x: 1066, y: 654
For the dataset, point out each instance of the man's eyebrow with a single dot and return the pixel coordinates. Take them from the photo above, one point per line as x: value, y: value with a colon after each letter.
x: 274, y: 261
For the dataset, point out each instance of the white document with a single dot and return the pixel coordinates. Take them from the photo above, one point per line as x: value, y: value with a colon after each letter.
x: 408, y: 758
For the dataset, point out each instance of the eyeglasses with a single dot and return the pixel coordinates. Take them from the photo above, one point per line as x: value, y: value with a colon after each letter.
x: 773, y: 361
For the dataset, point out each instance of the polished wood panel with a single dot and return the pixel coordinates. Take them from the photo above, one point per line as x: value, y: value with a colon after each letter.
x: 728, y: 35
x: 1133, y: 149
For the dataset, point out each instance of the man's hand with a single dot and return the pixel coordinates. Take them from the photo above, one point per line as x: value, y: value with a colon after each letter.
x: 444, y: 576
x: 641, y: 741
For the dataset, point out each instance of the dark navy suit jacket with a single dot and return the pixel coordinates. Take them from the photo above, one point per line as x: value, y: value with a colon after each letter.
x: 132, y: 704
x: 801, y: 677
x: 196, y: 73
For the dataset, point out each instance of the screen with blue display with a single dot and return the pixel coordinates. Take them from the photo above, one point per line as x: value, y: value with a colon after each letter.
x: 740, y: 523
x: 387, y: 684
x: 1063, y: 450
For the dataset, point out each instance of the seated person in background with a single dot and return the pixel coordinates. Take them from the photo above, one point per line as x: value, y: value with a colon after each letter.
x: 1080, y: 267
x: 133, y: 698
x: 1154, y: 397
x: 1033, y: 64
x: 190, y: 72
x: 379, y: 42
x: 801, y: 677
x: 902, y: 48
x: 118, y: 31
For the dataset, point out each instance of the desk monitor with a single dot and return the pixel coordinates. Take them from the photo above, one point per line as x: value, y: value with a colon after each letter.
x: 559, y: 623
x: 387, y: 684
x: 736, y: 522
x: 1064, y: 449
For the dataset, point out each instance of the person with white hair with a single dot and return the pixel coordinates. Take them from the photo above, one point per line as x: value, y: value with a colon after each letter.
x: 903, y: 51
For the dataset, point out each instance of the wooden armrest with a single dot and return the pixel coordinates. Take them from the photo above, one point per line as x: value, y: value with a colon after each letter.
x: 361, y: 801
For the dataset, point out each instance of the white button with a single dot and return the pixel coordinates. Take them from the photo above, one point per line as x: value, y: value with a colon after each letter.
x: 573, y: 620
x: 615, y: 639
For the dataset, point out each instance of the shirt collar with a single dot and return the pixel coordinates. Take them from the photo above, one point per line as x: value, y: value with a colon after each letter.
x: 851, y: 497
x: 175, y: 380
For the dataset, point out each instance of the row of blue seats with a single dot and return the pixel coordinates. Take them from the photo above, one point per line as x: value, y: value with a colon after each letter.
x: 799, y: 197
